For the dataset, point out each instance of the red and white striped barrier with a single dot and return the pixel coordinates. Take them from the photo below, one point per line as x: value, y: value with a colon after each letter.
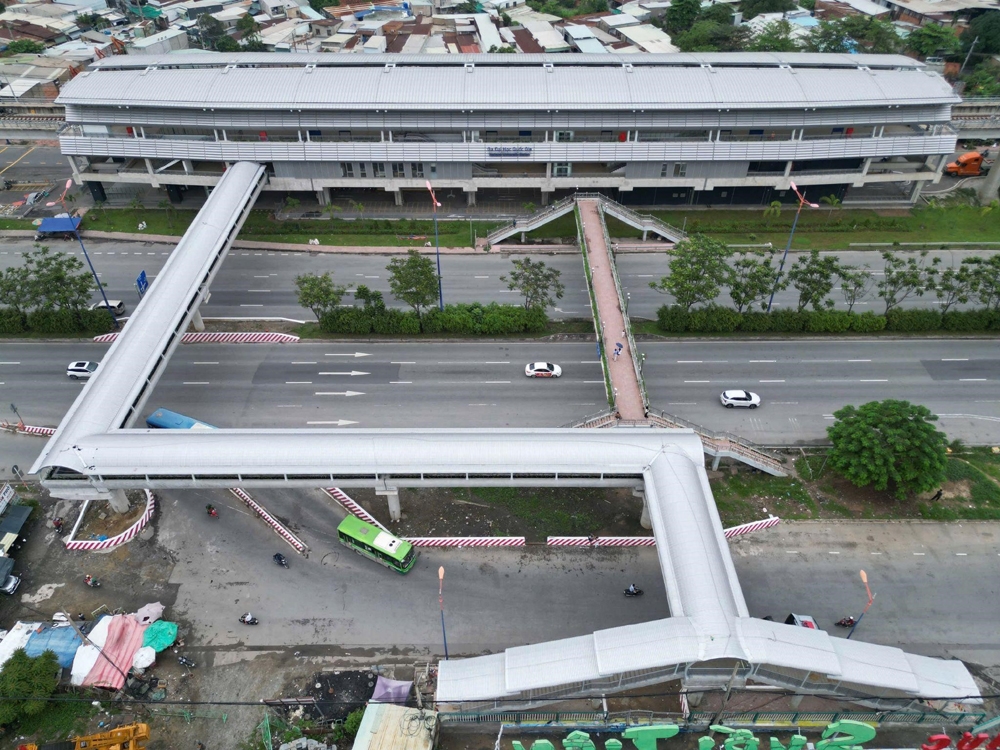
x: 352, y: 507
x: 126, y: 536
x: 746, y: 528
x: 466, y: 541
x: 601, y: 541
x: 221, y: 338
x: 298, y: 545
x: 27, y: 429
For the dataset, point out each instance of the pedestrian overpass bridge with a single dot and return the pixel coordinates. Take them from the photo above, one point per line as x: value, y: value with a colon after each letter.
x: 709, y: 641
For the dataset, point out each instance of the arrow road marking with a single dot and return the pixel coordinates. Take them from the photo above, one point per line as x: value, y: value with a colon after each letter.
x: 352, y: 373
x: 356, y: 354
x: 339, y: 393
x: 339, y: 422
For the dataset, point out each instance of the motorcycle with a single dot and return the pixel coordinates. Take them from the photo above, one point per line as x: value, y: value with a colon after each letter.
x: 210, y: 509
x: 248, y: 619
x: 847, y: 622
x: 57, y: 524
x: 91, y: 581
x: 629, y: 592
x: 184, y: 661
x: 279, y: 559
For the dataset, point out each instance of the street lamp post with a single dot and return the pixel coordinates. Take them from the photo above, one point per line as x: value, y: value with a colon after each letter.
x: 444, y: 635
x: 13, y: 408
x: 871, y: 598
x: 795, y: 221
x: 437, y: 245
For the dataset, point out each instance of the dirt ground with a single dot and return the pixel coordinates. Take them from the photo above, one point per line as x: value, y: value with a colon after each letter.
x: 101, y: 522
x: 510, y: 511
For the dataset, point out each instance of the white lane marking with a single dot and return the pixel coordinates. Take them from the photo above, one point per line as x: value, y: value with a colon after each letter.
x: 339, y: 393
x: 352, y: 373
x: 884, y: 380
x: 689, y: 361
x: 972, y: 380
x: 10, y: 363
x: 400, y: 382
x: 956, y: 359
x: 473, y: 363
x: 682, y: 403
x: 784, y: 403
x: 339, y: 422
x: 258, y: 290
x: 480, y: 277
x: 919, y: 554
x: 833, y: 552
x: 495, y: 382
x: 961, y: 554
x: 298, y: 382
x: 262, y: 277
x: 593, y: 381
x: 590, y: 362
x: 770, y: 381
x: 302, y: 363
x: 791, y: 552
x: 348, y: 354
x: 402, y: 363
x: 762, y: 361
x: 859, y: 360
x: 874, y: 553
x: 697, y: 381
x: 289, y: 406
x: 204, y: 363
x: 195, y: 382
x: 251, y: 305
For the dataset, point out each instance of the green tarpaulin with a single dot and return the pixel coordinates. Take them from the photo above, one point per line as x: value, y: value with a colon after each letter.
x: 160, y: 635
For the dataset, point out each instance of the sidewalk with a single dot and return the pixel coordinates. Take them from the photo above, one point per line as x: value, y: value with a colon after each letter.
x: 628, y: 397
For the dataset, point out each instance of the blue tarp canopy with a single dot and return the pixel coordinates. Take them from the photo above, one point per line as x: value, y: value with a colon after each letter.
x: 63, y: 640
x: 60, y: 224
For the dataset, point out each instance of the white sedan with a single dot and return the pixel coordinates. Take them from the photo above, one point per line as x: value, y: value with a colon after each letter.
x: 732, y: 399
x: 542, y: 370
x: 81, y: 370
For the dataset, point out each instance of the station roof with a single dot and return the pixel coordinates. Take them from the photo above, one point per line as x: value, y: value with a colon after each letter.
x: 461, y: 82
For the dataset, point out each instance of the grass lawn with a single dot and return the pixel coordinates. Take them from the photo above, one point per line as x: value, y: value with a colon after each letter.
x: 555, y: 327
x: 16, y: 224
x: 971, y: 491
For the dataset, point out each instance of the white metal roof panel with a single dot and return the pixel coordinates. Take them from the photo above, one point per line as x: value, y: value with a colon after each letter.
x: 781, y: 645
x: 552, y: 663
x: 471, y: 679
x: 659, y: 643
x: 944, y: 678
x: 878, y: 666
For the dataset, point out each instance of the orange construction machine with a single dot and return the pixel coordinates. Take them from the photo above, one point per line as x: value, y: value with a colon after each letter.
x: 970, y: 164
x: 128, y: 737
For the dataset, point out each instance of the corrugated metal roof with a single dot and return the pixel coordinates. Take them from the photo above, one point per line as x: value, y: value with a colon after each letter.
x: 533, y: 666
x: 878, y: 666
x: 781, y: 645
x: 471, y: 679
x: 650, y: 644
x: 943, y: 678
x: 447, y: 86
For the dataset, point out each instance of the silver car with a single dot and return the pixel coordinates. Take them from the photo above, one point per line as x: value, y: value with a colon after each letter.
x: 732, y: 399
x: 81, y: 370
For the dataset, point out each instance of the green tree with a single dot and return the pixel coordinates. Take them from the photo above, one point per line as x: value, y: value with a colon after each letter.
x: 855, y: 283
x: 984, y: 80
x: 502, y: 50
x: 773, y: 210
x: 718, y: 13
x: 211, y: 30
x: 292, y: 202
x: 905, y: 277
x: 412, y: 280
x: 776, y: 36
x: 227, y: 44
x: 25, y: 46
x: 681, y: 15
x: 699, y: 269
x: 536, y: 282
x: 135, y: 206
x: 985, y: 284
x: 752, y: 277
x: 871, y: 34
x: 26, y: 684
x: 829, y: 36
x: 57, y: 281
x: 752, y: 8
x: 319, y: 293
x: 248, y: 27
x: 889, y: 445
x: 17, y: 289
x: 933, y: 39
x: 467, y: 7
x: 813, y: 277
x: 986, y: 28
x: 832, y: 201
x: 529, y: 207
x: 709, y: 36
x: 92, y: 21
x: 318, y: 5
x: 954, y: 286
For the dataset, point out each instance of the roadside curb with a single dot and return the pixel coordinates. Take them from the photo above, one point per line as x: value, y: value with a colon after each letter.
x: 27, y: 429
x: 466, y: 541
x: 297, y: 544
x: 248, y: 337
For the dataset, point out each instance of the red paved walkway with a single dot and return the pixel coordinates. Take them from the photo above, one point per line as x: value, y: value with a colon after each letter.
x: 628, y: 396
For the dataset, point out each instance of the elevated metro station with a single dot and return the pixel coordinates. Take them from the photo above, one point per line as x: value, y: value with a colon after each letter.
x: 100, y: 449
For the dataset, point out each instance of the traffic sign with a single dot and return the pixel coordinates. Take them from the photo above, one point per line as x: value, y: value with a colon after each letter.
x: 142, y: 283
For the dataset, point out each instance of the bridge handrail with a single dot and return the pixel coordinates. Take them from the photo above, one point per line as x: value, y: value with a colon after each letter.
x: 582, y: 240
x: 528, y: 221
x: 735, y: 443
x: 642, y: 218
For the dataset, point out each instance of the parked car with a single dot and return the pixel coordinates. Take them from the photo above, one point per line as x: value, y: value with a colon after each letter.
x: 732, y: 399
x: 10, y: 581
x: 116, y: 305
x: 542, y: 370
x: 81, y: 370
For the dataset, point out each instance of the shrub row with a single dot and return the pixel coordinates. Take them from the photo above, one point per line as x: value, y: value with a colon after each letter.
x: 878, y: 223
x: 718, y: 319
x: 473, y: 320
x: 57, y: 322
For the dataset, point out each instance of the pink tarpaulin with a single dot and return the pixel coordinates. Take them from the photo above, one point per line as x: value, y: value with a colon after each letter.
x: 124, y: 639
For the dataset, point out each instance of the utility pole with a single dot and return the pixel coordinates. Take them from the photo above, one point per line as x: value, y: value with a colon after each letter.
x: 972, y: 47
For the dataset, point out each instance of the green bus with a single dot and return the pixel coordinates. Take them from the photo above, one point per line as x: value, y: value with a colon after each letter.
x: 378, y: 545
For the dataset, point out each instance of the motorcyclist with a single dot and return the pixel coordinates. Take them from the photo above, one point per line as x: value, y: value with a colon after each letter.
x: 632, y: 589
x: 279, y: 558
x: 246, y: 618
x: 88, y: 579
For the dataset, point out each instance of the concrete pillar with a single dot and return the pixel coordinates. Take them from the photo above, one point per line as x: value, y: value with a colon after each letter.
x: 470, y: 197
x: 321, y: 197
x: 392, y: 495
x: 917, y: 187
x: 788, y: 168
x: 715, y: 461
x: 645, y: 232
x: 644, y: 519
x: 988, y: 189
x: 197, y: 322
x: 797, y: 701
x: 398, y: 196
x: 694, y: 699
x: 188, y: 166
x: 545, y: 197
x: 867, y: 164
x: 149, y: 165
x: 119, y: 503
x: 524, y: 237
